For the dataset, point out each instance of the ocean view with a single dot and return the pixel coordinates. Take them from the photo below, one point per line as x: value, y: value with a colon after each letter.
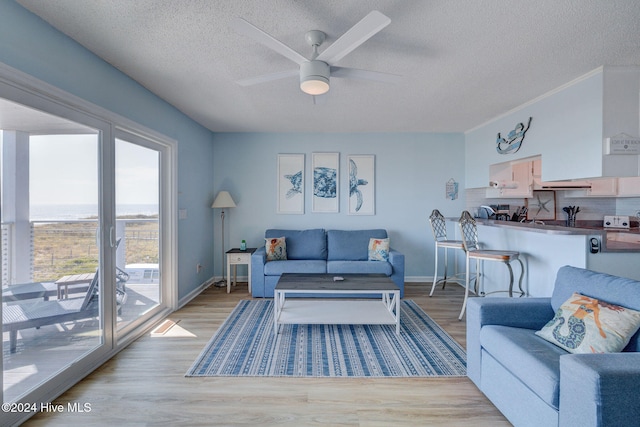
x: 62, y: 212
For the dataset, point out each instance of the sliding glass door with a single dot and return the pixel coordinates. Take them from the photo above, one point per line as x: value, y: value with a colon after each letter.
x: 88, y: 240
x: 52, y: 246
x: 137, y: 227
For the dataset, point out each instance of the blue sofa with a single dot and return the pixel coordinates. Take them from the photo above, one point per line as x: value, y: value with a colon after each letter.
x: 323, y: 251
x: 535, y: 383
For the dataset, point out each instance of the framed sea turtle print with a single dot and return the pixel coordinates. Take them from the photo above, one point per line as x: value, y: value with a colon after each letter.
x: 290, y: 184
x: 325, y: 198
x: 362, y: 184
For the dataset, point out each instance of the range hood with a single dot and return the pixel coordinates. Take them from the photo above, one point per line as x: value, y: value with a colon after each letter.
x: 560, y: 185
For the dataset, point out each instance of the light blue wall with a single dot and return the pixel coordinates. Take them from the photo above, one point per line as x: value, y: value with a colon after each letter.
x: 31, y: 45
x: 412, y: 170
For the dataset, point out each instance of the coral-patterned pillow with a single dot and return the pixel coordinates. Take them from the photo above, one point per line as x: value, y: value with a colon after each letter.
x: 586, y: 325
x: 276, y: 248
x: 378, y: 249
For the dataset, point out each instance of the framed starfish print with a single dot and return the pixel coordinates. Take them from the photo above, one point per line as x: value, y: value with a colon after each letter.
x: 542, y: 206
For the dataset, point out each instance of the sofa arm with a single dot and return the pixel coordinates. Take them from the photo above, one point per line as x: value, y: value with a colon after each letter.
x: 529, y: 313
x: 396, y: 259
x: 599, y: 389
x: 258, y: 260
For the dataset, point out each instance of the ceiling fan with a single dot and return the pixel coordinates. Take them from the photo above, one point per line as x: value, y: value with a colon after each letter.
x: 316, y: 71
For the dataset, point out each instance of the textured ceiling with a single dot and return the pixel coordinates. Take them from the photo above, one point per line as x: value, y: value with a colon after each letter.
x: 463, y: 62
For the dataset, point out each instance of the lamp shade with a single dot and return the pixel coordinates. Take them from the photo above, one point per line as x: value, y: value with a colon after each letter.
x: 223, y: 200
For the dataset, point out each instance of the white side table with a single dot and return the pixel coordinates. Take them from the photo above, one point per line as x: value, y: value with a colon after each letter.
x: 234, y: 257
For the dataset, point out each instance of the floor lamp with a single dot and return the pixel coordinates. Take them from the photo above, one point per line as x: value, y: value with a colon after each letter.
x: 222, y: 201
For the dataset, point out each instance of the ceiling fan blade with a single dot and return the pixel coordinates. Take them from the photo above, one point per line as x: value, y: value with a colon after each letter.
x: 267, y: 77
x: 250, y: 30
x: 343, y: 72
x: 354, y: 37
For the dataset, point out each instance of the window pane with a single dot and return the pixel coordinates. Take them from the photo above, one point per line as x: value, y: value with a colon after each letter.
x: 137, y: 229
x: 50, y: 255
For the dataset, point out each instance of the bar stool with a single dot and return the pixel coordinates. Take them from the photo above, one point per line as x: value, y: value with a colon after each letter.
x: 439, y: 229
x: 469, y: 233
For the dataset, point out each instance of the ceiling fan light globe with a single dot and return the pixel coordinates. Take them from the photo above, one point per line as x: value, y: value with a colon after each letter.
x: 315, y: 85
x: 314, y: 77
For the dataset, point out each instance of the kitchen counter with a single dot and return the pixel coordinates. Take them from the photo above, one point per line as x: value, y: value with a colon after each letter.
x: 543, y: 228
x: 544, y: 248
x: 613, y: 239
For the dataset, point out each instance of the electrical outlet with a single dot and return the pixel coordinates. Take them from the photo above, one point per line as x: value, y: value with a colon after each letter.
x: 198, y: 268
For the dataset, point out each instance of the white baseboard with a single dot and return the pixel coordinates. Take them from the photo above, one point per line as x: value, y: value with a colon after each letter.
x: 411, y: 279
x: 194, y: 293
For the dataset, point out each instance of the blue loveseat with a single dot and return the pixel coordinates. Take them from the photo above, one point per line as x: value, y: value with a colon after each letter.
x: 323, y: 251
x: 535, y: 383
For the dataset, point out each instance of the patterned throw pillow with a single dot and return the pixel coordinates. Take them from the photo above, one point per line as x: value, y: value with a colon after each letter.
x: 378, y: 249
x: 276, y: 248
x: 586, y: 325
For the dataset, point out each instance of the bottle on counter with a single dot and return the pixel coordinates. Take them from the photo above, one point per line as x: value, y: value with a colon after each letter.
x: 243, y: 245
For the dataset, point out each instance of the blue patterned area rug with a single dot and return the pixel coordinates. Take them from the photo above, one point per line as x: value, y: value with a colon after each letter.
x: 246, y: 345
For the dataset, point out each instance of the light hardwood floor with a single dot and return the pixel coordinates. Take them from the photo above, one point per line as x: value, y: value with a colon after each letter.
x: 144, y: 385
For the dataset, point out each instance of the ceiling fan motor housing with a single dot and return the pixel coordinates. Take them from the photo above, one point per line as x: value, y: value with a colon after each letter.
x: 314, y: 77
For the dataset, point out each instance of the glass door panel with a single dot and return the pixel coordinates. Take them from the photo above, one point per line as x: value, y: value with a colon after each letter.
x: 50, y: 251
x: 137, y: 230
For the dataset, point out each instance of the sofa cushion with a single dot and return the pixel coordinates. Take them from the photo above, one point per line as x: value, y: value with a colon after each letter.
x: 302, y: 244
x: 276, y: 268
x: 275, y: 248
x: 378, y: 249
x: 613, y: 289
x: 359, y: 267
x: 351, y: 245
x: 588, y: 325
x: 534, y: 361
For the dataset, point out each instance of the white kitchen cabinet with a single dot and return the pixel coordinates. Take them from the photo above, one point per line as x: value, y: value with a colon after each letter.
x: 510, y: 174
x: 603, y: 187
x: 629, y: 187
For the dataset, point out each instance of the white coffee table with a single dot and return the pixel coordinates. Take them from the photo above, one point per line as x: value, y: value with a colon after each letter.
x: 344, y: 310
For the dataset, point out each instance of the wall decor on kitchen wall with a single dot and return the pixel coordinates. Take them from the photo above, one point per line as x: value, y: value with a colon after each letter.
x: 290, y: 184
x: 361, y: 184
x: 451, y: 189
x: 542, y: 206
x: 512, y: 143
x: 325, y: 182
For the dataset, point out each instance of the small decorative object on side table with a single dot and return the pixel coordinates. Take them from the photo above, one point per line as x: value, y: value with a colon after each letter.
x: 237, y: 256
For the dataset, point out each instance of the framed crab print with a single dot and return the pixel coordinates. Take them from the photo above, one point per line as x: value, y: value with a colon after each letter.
x: 362, y: 184
x: 290, y: 184
x: 326, y: 195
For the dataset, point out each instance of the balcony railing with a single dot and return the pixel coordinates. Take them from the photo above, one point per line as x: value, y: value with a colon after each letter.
x: 64, y: 247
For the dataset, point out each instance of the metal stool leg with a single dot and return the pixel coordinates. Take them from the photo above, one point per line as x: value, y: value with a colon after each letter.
x: 466, y: 288
x: 521, y: 276
x: 446, y: 263
x: 435, y: 272
x: 510, y: 279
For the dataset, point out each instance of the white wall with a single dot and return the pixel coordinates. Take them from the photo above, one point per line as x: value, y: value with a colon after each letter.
x: 566, y: 126
x: 411, y: 172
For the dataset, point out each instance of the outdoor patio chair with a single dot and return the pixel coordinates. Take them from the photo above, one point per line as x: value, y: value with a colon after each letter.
x: 34, y: 314
x: 61, y: 288
x: 23, y: 291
